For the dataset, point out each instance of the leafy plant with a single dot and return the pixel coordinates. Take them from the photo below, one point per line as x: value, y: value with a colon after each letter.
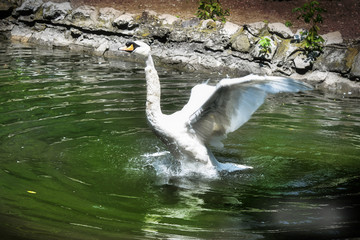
x: 265, y: 44
x: 310, y: 12
x: 288, y: 24
x: 211, y: 9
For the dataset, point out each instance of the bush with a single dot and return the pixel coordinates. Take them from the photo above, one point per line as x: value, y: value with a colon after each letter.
x: 211, y: 9
x: 310, y: 12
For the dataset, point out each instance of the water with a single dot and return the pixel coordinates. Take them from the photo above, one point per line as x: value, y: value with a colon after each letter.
x: 78, y: 161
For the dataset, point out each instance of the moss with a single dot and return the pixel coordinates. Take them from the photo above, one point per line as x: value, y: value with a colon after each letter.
x: 39, y: 14
x: 282, y: 49
x: 350, y: 56
x: 235, y: 35
x: 211, y: 25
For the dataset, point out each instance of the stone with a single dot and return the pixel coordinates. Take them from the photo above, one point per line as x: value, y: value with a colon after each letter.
x: 29, y: 6
x: 193, y: 22
x: 332, y: 59
x: 208, y: 24
x: 302, y: 62
x: 241, y: 43
x: 355, y: 70
x: 340, y: 85
x: 102, y: 48
x: 300, y: 35
x: 177, y: 36
x: 56, y: 11
x: 256, y: 28
x: 212, y: 45
x: 332, y: 38
x: 280, y: 29
x: 107, y: 16
x: 168, y: 19
x: 83, y: 13
x: 229, y: 29
x: 125, y: 21
x: 284, y: 51
x: 21, y: 33
x: 257, y: 52
x: 52, y: 37
x: 83, y: 16
x: 6, y: 26
x: 6, y: 6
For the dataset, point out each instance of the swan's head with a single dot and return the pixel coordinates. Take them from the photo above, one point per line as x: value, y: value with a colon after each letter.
x: 137, y: 47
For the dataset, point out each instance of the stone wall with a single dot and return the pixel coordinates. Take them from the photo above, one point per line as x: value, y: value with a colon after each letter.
x: 191, y: 44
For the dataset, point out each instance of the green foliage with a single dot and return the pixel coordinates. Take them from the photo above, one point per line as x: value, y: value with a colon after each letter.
x: 265, y: 45
x: 211, y: 9
x: 310, y: 12
x: 288, y: 24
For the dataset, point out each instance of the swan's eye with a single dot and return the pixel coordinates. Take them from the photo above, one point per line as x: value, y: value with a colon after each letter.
x: 128, y: 44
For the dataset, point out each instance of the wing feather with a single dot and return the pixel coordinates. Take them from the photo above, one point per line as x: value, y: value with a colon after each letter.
x: 233, y: 102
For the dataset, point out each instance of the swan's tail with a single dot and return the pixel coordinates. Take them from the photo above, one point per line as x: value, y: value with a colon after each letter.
x: 229, y: 167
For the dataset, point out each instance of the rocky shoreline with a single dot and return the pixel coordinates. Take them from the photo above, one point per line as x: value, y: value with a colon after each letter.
x: 191, y: 45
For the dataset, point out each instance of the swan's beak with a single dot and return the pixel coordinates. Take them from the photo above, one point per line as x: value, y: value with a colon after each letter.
x: 127, y: 49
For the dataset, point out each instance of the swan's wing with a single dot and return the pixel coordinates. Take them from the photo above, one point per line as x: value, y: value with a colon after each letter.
x: 233, y: 102
x: 199, y: 95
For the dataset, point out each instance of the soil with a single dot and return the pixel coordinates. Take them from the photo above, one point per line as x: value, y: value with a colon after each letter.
x: 341, y: 15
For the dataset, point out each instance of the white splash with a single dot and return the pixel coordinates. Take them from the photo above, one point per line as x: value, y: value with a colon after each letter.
x: 166, y: 166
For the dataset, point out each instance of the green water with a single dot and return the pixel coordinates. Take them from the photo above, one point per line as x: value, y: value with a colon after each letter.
x: 78, y: 161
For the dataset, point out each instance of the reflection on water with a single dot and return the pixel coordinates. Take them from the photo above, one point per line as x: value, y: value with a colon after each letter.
x: 78, y: 161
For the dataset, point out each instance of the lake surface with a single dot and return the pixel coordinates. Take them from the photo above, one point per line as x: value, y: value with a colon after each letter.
x: 78, y: 160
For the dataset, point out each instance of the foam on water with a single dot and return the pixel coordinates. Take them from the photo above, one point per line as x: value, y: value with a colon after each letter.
x: 166, y: 166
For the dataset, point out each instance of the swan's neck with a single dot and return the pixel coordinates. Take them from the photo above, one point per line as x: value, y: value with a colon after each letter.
x: 153, y: 110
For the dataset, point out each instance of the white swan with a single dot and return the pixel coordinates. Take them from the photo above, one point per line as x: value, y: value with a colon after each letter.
x: 211, y: 113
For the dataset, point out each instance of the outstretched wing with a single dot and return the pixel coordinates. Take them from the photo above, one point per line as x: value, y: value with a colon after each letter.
x: 232, y: 103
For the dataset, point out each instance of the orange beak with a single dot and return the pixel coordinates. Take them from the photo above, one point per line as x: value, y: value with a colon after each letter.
x: 128, y: 49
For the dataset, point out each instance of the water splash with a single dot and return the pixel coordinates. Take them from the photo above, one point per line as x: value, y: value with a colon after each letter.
x: 166, y: 166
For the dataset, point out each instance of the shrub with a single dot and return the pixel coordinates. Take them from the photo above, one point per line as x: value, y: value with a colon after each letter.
x: 310, y: 12
x: 265, y: 46
x: 211, y: 9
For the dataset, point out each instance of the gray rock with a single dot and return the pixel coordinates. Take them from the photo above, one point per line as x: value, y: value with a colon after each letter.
x: 256, y: 28
x: 208, y: 24
x: 355, y: 70
x: 340, y: 85
x: 178, y: 36
x: 125, y: 21
x: 257, y: 51
x: 168, y: 19
x: 29, y: 6
x: 6, y: 26
x: 21, y: 33
x: 229, y: 29
x: 103, y: 47
x: 83, y: 13
x: 280, y: 29
x: 302, y: 62
x: 107, y: 16
x: 83, y: 16
x: 56, y: 11
x: 190, y: 23
x: 333, y: 59
x: 52, y: 37
x: 333, y: 38
x: 6, y: 5
x: 300, y: 35
x: 241, y: 43
x: 214, y: 45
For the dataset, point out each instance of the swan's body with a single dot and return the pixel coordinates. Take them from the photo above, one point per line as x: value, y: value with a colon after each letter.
x: 211, y: 113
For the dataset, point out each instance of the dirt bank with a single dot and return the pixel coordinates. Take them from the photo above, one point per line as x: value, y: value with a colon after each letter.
x: 341, y: 15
